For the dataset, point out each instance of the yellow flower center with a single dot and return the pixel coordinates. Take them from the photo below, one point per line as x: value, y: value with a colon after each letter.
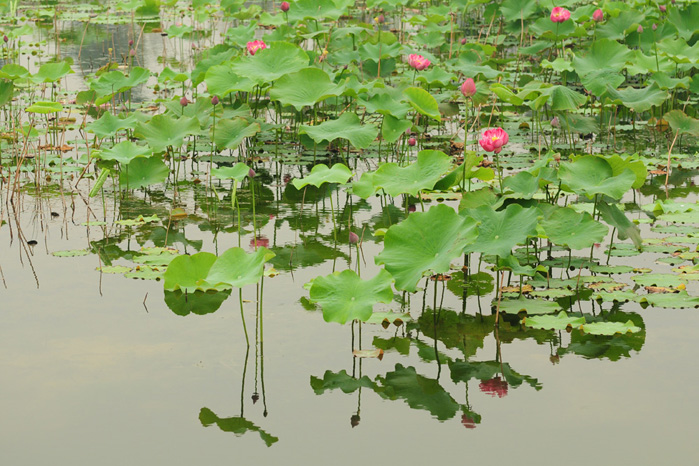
x: 495, y: 138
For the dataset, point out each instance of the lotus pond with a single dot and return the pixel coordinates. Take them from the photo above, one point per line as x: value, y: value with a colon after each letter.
x: 317, y: 231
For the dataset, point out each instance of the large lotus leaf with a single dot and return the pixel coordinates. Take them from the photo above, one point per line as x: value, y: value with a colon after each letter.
x: 304, y: 88
x: 342, y: 380
x: 221, y: 80
x: 45, y: 107
x: 666, y: 280
x: 500, y: 231
x: 566, y: 227
x: 603, y: 54
x: 320, y: 174
x: 387, y: 104
x: 616, y: 27
x: 348, y: 126
x: 670, y: 300
x: 416, y: 246
x: 188, y: 273
x: 436, y: 77
x: 685, y: 20
x: 142, y: 172
x: 237, y: 425
x: 125, y: 152
x: 230, y: 133
x: 547, y: 29
x: 345, y: 297
x: 559, y: 322
x: 619, y: 165
x: 679, y: 51
x: 463, y: 371
x: 52, y: 72
x: 272, y: 63
x: 638, y: 100
x: 316, y: 10
x: 237, y: 268
x: 530, y: 306
x: 109, y: 125
x: 6, y: 91
x: 610, y: 328
x: 198, y: 302
x: 419, y: 175
x: 423, y: 102
x: 163, y: 131
x: 616, y: 218
x: 505, y: 94
x: 237, y: 172
x: 563, y: 98
x: 590, y: 175
x: 418, y: 391
x: 456, y: 175
x: 518, y: 10
x: 115, y: 81
x: 667, y: 82
x: 681, y: 123
x: 393, y: 128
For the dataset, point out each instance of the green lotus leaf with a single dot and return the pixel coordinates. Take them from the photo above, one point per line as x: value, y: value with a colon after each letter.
x: 597, y: 81
x: 619, y: 296
x: 317, y: 10
x: 221, y: 80
x: 237, y: 172
x: 603, y: 54
x: 422, y: 174
x: 163, y: 131
x: 125, y: 152
x: 505, y: 94
x: 518, y: 10
x: 393, y: 128
x: 6, y: 91
x: 13, y: 72
x: 670, y: 300
x: 617, y: 27
x: 547, y: 29
x: 616, y: 218
x: 237, y: 425
x: 272, y: 63
x: 500, y: 231
x: 678, y: 50
x: 115, y: 81
x: 414, y: 247
x: 304, y: 88
x: 423, y: 102
x: 619, y: 165
x: 386, y: 103
x: 567, y: 227
x: 142, y: 172
x: 109, y: 125
x: 345, y: 297
x: 230, y: 133
x: 52, y: 72
x: 558, y: 322
x: 681, y: 123
x: 320, y: 174
x: 348, y: 126
x: 530, y: 306
x: 342, y: 380
x: 198, y: 302
x: 435, y: 76
x: 685, y: 20
x: 590, y: 175
x: 666, y: 82
x: 610, y: 328
x: 188, y: 273
x: 638, y: 100
x: 237, y: 268
x: 666, y: 280
x: 417, y: 391
x: 45, y: 107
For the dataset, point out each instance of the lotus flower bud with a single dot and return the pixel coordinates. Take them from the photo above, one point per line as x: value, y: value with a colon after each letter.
x: 463, y: 41
x: 640, y: 29
x: 468, y: 88
x: 6, y: 39
x: 598, y: 15
x: 555, y: 123
x: 380, y: 19
x: 655, y: 26
x: 663, y: 8
x: 183, y: 101
x: 130, y: 42
x: 353, y: 238
x: 251, y: 173
x: 214, y: 100
x: 412, y: 142
x: 284, y: 6
x: 132, y: 53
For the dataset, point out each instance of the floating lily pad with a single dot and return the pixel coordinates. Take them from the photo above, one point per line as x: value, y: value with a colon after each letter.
x: 558, y: 322
x: 610, y: 328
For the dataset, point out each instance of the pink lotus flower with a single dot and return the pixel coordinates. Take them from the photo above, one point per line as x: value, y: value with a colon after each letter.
x: 494, y: 387
x: 468, y: 88
x: 559, y: 15
x: 494, y: 139
x: 256, y: 45
x: 418, y: 62
x: 284, y: 6
x: 598, y: 15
